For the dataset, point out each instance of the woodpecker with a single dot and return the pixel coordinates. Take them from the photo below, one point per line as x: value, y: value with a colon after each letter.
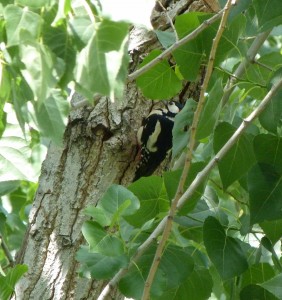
x: 155, y: 138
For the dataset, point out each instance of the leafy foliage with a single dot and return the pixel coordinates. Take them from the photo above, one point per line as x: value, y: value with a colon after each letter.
x: 230, y: 228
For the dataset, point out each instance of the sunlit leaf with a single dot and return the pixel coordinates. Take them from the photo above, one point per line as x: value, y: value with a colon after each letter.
x: 42, y: 69
x: 14, y: 160
x: 51, y: 116
x: 102, y: 65
x: 22, y: 24
x: 8, y: 282
x: 160, y: 81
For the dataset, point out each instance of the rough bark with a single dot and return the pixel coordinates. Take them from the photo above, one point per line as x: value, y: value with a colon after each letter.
x: 99, y: 149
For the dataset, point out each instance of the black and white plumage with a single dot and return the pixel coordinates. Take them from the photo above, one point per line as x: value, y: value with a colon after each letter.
x: 155, y: 138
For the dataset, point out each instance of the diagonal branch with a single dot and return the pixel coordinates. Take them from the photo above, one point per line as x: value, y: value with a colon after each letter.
x: 243, y: 66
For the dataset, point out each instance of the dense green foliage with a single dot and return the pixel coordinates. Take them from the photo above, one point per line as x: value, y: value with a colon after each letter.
x: 226, y: 237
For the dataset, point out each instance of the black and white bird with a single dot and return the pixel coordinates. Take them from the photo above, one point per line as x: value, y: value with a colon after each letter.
x: 155, y: 138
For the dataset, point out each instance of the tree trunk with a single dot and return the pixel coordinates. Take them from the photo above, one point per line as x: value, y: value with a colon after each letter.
x: 99, y: 149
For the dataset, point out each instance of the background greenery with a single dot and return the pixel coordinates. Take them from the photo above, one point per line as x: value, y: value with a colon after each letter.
x: 227, y: 239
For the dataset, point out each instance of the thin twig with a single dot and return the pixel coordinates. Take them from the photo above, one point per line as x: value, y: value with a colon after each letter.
x: 6, y: 251
x: 193, y: 186
x: 169, y: 19
x: 227, y: 192
x: 250, y: 57
x: 187, y: 165
x: 175, y: 46
x: 263, y: 65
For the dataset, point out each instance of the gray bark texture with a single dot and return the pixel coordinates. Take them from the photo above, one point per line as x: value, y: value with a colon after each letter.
x: 99, y: 149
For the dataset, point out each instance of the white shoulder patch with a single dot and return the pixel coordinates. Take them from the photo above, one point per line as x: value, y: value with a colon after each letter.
x: 151, y: 143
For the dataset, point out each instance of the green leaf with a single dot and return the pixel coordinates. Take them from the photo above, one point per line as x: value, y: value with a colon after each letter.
x: 114, y: 199
x: 115, y: 203
x: 189, y: 56
x: 272, y: 229
x: 64, y: 47
x: 99, y: 215
x: 271, y: 117
x: 100, y: 266
x: 33, y: 3
x: 8, y: 282
x: 7, y: 187
x: 64, y: 8
x: 160, y: 81
x: 224, y: 251
x: 265, y: 189
x: 81, y: 30
x: 274, y: 286
x: 239, y: 158
x: 153, y: 200
x: 210, y: 114
x: 100, y: 241
x: 166, y: 38
x: 198, y: 286
x: 14, y: 160
x: 269, y: 13
x: 51, y: 115
x: 104, y: 61
x: 268, y: 150
x: 182, y: 122
x: 171, y: 180
x: 5, y: 89
x: 257, y: 273
x: 42, y: 69
x: 255, y: 292
x: 21, y: 24
x: 175, y: 267
x: 266, y: 243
